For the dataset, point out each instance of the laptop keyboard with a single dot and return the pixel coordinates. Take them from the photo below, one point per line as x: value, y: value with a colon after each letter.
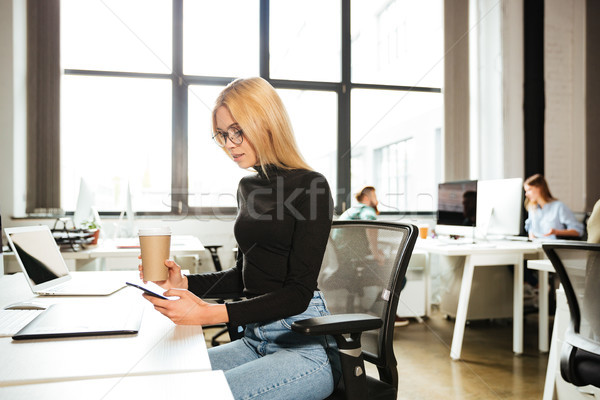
x: 12, y: 321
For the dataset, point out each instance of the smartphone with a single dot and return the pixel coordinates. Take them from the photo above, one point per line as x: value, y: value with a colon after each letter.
x: 147, y: 291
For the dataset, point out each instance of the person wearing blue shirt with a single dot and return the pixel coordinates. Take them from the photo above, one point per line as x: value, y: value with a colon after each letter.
x: 547, y: 216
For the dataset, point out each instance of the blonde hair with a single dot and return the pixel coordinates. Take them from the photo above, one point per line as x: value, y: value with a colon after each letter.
x: 257, y: 108
x: 539, y: 181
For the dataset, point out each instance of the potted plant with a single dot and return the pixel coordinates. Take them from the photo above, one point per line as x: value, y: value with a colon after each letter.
x: 93, y: 229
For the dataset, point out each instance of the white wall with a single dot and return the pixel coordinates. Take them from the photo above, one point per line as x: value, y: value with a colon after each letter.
x: 564, y: 70
x: 497, y: 76
x: 12, y: 108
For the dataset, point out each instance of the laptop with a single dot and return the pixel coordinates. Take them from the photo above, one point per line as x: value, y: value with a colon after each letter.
x: 74, y: 320
x: 45, y: 269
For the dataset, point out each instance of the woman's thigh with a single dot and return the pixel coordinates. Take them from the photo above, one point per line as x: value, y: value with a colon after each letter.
x: 285, y: 374
x: 231, y: 355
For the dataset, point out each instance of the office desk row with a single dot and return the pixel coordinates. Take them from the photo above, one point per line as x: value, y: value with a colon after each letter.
x: 155, y: 360
x: 181, y: 245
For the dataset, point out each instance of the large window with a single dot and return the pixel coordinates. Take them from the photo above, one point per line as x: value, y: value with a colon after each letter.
x: 138, y: 90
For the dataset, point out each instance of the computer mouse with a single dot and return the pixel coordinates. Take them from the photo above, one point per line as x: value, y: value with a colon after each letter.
x: 26, y: 305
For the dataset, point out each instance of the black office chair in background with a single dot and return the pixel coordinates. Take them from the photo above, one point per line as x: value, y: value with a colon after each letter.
x: 233, y: 331
x: 578, y: 267
x: 362, y: 293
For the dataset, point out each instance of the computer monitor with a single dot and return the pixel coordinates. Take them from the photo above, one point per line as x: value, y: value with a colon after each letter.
x: 126, y: 228
x: 499, y: 207
x: 457, y: 208
x: 84, y: 210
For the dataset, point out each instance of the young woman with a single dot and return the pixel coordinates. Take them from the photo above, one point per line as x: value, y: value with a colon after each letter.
x: 548, y: 217
x: 283, y: 223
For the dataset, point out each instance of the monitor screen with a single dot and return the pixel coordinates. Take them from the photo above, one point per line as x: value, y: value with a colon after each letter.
x: 38, y: 254
x: 499, y: 205
x: 457, y: 207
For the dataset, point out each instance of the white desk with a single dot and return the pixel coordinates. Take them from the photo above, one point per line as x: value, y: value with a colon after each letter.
x: 482, y: 255
x: 181, y: 245
x: 544, y: 267
x: 160, y: 346
x: 203, y: 385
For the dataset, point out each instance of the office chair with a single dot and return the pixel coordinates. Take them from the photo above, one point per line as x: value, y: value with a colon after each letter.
x: 224, y: 328
x: 578, y: 267
x: 215, y: 256
x: 362, y: 294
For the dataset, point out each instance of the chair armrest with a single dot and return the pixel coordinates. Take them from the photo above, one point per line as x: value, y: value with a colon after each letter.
x: 581, y: 342
x: 337, y: 324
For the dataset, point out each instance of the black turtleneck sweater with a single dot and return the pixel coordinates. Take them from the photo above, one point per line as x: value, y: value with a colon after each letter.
x: 283, y: 222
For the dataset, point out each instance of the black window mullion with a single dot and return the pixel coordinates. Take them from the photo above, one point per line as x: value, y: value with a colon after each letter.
x: 264, y: 63
x: 179, y: 153
x: 344, y: 142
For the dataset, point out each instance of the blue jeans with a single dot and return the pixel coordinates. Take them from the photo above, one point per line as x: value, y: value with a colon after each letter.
x: 273, y: 362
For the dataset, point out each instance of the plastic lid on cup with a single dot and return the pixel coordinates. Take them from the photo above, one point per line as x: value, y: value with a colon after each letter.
x: 159, y: 231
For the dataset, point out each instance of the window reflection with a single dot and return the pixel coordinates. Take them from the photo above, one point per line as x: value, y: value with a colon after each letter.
x: 394, y: 140
x: 305, y: 40
x: 220, y: 38
x: 397, y: 43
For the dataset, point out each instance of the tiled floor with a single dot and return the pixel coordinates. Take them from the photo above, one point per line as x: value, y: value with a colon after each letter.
x: 488, y: 368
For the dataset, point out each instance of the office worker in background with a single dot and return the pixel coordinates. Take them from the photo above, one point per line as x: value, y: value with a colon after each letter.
x: 366, y: 209
x: 284, y: 218
x: 547, y: 216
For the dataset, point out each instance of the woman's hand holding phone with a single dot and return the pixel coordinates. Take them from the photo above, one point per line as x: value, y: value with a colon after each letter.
x: 147, y: 291
x: 189, y: 309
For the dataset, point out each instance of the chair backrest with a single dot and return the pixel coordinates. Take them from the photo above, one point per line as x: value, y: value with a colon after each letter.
x: 578, y: 267
x: 363, y: 268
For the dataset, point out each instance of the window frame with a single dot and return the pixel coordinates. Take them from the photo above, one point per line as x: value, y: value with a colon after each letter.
x: 181, y: 82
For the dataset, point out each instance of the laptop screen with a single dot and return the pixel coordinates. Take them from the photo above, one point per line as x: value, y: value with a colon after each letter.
x: 39, y: 254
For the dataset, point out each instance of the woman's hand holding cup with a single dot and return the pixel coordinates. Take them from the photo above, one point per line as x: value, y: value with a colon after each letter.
x: 175, y: 278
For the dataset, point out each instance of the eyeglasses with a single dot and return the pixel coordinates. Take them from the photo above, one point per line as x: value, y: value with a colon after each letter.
x: 235, y: 135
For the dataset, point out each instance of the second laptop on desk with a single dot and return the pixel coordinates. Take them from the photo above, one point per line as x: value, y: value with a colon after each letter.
x: 45, y: 269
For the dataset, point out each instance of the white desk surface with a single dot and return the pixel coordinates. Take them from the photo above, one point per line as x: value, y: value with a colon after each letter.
x: 181, y: 245
x: 159, y: 347
x: 490, y: 247
x: 202, y: 385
